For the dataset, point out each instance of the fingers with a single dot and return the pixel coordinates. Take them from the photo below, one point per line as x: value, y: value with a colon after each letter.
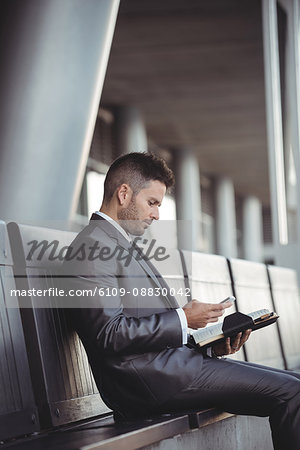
x: 219, y: 306
x: 232, y: 345
x: 223, y: 348
x: 235, y: 343
x: 245, y: 337
x: 213, y: 316
x: 239, y: 340
x: 214, y: 311
x: 199, y: 314
x: 217, y: 310
x: 227, y: 304
x: 228, y: 349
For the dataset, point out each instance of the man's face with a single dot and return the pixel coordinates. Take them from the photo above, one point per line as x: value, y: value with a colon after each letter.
x: 142, y: 209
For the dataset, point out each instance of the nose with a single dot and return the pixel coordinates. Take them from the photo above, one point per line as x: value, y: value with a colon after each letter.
x: 155, y: 213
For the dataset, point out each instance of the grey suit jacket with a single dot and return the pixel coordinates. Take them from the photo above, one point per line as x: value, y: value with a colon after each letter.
x: 131, y: 332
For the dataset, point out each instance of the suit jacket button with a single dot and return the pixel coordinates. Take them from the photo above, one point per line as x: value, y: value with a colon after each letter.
x: 168, y: 346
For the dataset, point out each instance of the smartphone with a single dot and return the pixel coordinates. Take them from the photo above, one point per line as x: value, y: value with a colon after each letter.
x: 228, y: 299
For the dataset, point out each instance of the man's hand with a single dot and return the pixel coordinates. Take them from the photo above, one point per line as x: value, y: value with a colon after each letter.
x: 199, y: 314
x: 231, y: 345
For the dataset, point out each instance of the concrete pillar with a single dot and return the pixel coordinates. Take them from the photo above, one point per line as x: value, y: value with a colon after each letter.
x: 287, y: 253
x: 53, y: 62
x: 290, y: 256
x: 226, y: 218
x: 129, y: 129
x: 274, y: 123
x: 188, y: 200
x: 252, y: 229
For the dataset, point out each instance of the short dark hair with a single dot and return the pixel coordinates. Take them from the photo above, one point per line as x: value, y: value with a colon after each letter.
x: 136, y: 170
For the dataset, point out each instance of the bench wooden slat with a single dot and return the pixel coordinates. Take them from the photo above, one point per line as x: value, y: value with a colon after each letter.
x: 253, y: 292
x: 18, y: 413
x: 286, y: 298
x: 172, y: 272
x: 147, y: 435
x: 209, y: 276
x: 104, y: 434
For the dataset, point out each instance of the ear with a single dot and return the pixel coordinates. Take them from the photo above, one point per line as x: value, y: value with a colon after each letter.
x: 124, y: 193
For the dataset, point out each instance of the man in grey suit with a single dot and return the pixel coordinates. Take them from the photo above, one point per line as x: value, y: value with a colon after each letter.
x: 134, y: 332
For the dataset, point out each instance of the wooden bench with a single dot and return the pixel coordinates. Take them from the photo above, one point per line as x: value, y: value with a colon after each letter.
x: 71, y: 412
x: 63, y: 384
x: 252, y: 290
x: 285, y: 294
x: 18, y: 413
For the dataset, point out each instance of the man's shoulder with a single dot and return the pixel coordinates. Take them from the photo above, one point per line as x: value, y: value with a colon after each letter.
x: 91, y: 232
x: 90, y: 248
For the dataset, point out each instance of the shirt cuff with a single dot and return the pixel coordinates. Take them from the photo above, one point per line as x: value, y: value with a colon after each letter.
x: 184, y: 325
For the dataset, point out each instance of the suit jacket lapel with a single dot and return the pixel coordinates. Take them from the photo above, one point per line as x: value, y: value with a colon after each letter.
x: 156, y: 276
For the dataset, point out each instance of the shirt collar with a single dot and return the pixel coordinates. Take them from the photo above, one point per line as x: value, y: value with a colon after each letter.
x: 115, y: 224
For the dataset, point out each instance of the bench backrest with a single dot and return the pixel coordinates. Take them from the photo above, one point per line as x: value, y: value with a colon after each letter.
x: 172, y: 271
x: 253, y: 293
x: 210, y: 281
x: 208, y: 276
x: 287, y: 305
x: 18, y: 414
x: 64, y: 387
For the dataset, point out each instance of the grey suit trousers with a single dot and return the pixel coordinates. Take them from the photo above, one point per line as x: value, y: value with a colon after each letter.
x: 248, y: 389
